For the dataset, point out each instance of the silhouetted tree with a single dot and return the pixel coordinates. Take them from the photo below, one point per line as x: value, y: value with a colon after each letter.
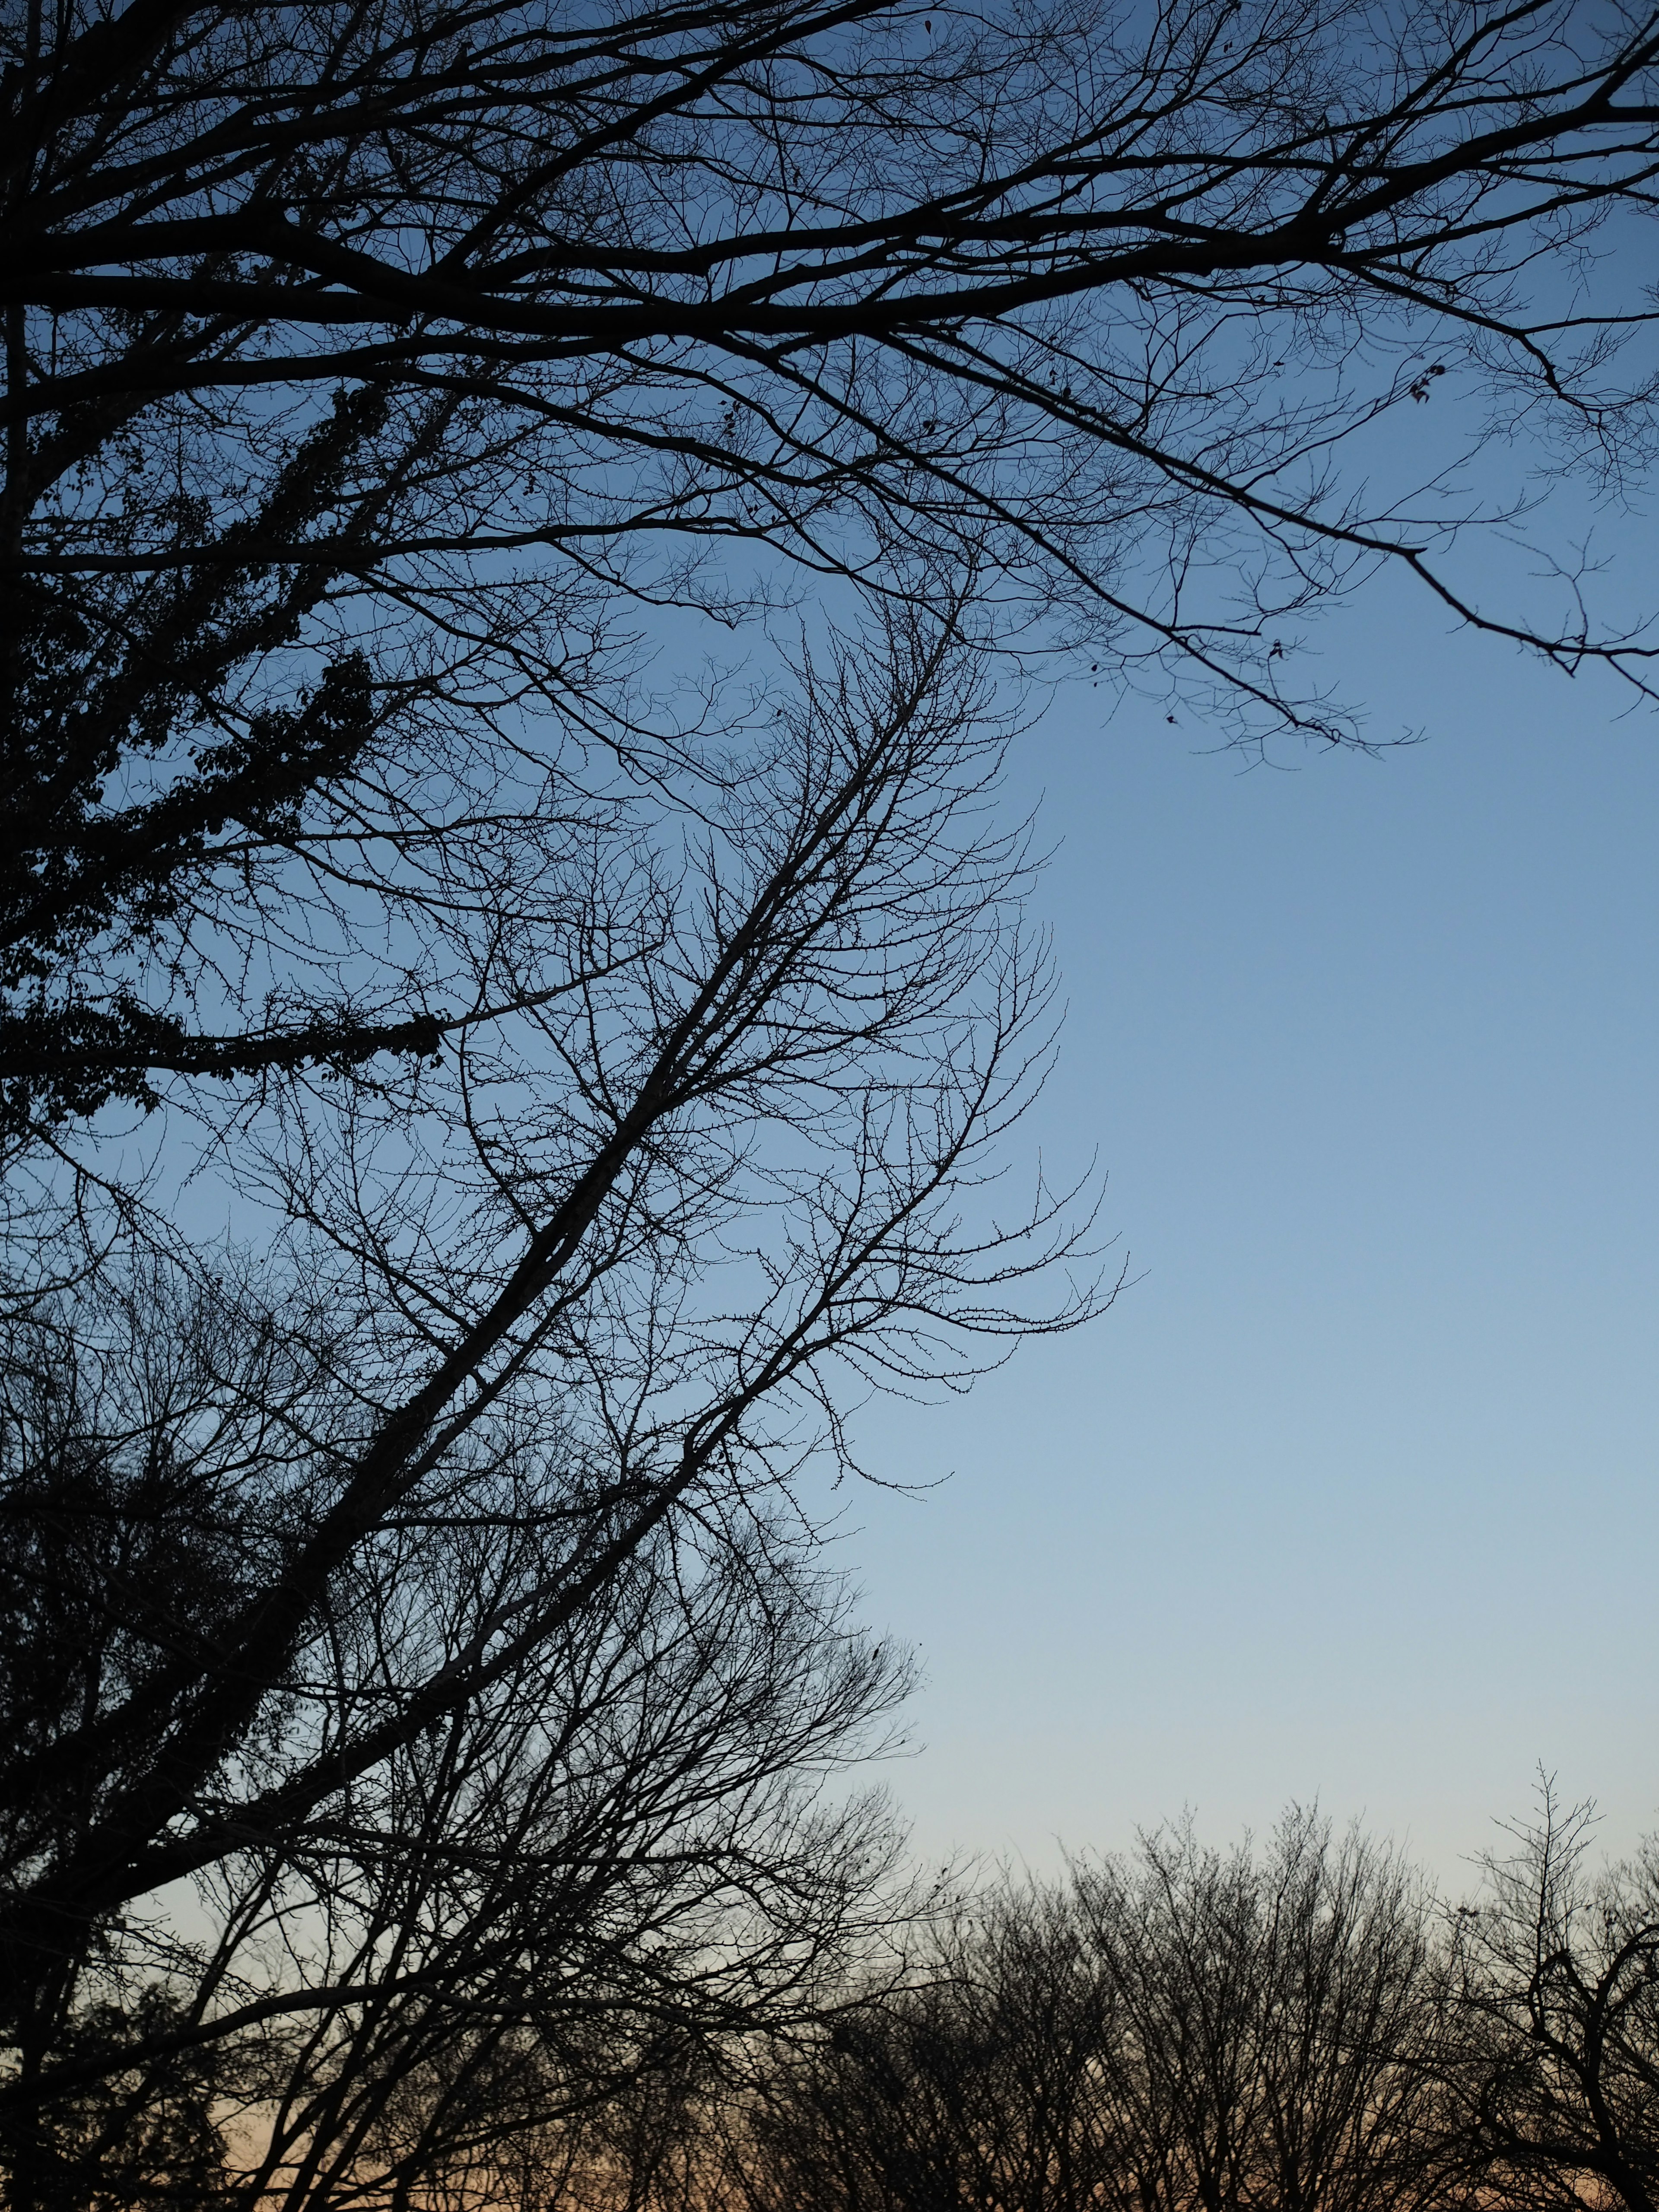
x: 588, y: 1862
x: 1184, y: 2031
x: 1277, y: 2011
x: 440, y: 1627
x: 1556, y: 2022
x: 373, y: 372
x: 615, y: 1052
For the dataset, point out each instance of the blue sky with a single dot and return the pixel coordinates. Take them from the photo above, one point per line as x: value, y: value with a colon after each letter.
x: 1352, y: 1495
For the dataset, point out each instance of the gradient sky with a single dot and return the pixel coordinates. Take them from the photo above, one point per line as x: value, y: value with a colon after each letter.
x: 1352, y: 1496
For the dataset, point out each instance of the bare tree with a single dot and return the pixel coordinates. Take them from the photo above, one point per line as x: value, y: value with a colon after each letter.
x: 1555, y: 2047
x: 1182, y: 2031
x: 547, y: 1903
x: 976, y: 2087
x: 1277, y: 2013
x: 375, y: 372
x: 740, y: 1183
x: 617, y: 1054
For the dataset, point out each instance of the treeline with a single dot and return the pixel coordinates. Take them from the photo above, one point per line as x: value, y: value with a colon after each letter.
x: 1307, y: 2027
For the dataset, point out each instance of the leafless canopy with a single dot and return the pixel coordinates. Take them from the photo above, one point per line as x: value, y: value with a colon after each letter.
x: 619, y: 1036
x: 374, y: 372
x: 1183, y: 2031
x: 1556, y: 1998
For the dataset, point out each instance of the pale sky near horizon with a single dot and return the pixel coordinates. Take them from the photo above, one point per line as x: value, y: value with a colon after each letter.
x: 1352, y: 1496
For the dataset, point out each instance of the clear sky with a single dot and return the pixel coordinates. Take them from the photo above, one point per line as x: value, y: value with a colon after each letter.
x: 1353, y: 1494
